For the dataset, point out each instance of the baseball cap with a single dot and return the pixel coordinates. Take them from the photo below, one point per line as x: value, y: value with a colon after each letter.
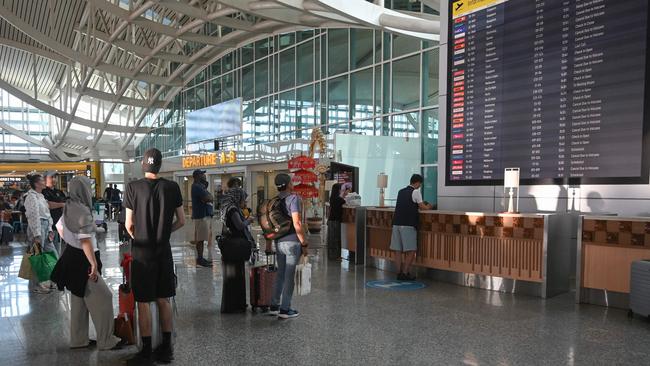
x: 152, y: 161
x: 282, y: 180
x: 198, y: 172
x: 50, y: 173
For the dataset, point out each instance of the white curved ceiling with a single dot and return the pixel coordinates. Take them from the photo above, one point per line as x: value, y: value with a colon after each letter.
x: 100, y: 66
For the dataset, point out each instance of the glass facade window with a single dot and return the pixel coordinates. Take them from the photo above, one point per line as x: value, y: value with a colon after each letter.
x: 361, y: 94
x: 430, y: 136
x: 368, y: 82
x: 262, y: 77
x: 25, y: 118
x: 287, y: 69
x: 305, y: 67
x: 430, y: 77
x: 337, y: 100
x: 248, y: 82
x: 361, y: 48
x: 405, y: 78
x: 337, y: 46
x: 306, y: 109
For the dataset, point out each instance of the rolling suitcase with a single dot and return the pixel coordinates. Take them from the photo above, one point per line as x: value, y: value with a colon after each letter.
x: 7, y: 234
x: 640, y: 289
x: 262, y: 279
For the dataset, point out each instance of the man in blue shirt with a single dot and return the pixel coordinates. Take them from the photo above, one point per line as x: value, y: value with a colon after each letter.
x: 200, y: 199
x: 289, y: 249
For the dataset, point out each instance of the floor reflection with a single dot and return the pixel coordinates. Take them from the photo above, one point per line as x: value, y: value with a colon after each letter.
x: 342, y: 322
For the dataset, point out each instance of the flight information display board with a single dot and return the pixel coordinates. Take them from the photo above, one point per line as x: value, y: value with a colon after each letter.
x: 556, y: 88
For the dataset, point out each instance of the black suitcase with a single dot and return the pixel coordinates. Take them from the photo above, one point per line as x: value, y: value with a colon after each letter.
x: 233, y: 294
x: 7, y: 235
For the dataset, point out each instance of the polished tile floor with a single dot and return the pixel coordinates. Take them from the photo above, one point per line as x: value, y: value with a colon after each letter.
x: 342, y: 323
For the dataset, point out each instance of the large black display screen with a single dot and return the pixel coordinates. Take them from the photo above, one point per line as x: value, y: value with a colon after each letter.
x: 556, y: 88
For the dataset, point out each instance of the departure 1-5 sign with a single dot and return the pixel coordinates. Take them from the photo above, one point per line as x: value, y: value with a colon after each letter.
x: 554, y: 87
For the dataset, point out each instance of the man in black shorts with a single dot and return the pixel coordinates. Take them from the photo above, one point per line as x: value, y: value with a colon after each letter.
x: 151, y: 204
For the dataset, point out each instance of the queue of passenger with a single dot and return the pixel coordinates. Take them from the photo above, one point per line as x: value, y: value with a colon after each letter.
x: 151, y: 211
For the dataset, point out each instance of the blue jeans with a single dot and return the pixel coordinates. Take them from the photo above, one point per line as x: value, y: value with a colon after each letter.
x: 288, y: 253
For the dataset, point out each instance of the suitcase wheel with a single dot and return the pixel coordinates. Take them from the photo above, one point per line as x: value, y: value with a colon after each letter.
x: 264, y: 309
x: 630, y: 314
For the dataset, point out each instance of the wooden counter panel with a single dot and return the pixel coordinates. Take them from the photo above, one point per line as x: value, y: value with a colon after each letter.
x: 608, y: 267
x: 379, y: 240
x: 482, y: 226
x: 609, y: 246
x: 519, y: 259
x: 349, y: 215
x: 509, y: 258
x: 349, y: 230
x: 619, y: 232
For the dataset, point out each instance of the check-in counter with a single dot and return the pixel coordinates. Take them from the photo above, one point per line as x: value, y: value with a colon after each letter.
x: 523, y: 253
x: 607, y: 246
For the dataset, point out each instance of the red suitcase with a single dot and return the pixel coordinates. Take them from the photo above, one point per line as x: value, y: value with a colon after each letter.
x: 261, y: 284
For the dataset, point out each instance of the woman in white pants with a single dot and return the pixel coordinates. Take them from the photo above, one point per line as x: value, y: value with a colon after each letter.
x: 79, y: 269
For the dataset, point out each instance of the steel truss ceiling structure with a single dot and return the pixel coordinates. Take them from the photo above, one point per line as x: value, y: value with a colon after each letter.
x: 100, y: 67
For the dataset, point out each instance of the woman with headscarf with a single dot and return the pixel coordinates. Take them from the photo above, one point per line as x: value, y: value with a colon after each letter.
x: 39, y: 226
x: 79, y: 270
x: 334, y: 222
x: 235, y: 247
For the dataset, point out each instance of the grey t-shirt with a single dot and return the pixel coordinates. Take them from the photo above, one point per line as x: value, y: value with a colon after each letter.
x: 293, y: 205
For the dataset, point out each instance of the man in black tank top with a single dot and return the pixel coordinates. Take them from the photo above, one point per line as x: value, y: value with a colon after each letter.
x: 404, y: 239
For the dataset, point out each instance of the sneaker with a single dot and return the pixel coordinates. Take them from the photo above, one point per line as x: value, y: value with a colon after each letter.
x: 286, y: 314
x: 91, y: 343
x: 409, y: 277
x: 140, y: 359
x: 203, y: 262
x: 163, y: 354
x: 274, y: 310
x: 401, y: 276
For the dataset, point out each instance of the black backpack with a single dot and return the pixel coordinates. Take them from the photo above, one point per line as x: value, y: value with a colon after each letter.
x: 274, y: 218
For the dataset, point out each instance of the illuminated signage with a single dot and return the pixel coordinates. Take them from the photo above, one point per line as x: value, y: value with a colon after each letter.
x: 211, y: 159
x: 11, y: 179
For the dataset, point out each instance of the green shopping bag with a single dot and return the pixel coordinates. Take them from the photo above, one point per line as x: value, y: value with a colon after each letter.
x: 42, y: 263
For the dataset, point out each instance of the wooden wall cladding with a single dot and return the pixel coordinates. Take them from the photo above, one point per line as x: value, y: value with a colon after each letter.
x: 608, y: 249
x: 509, y: 247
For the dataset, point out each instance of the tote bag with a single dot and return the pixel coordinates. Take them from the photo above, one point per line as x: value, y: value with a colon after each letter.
x: 25, y: 271
x: 303, y: 277
x: 42, y: 263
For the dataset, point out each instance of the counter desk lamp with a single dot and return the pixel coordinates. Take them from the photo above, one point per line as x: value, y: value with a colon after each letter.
x: 382, y: 183
x: 511, y: 182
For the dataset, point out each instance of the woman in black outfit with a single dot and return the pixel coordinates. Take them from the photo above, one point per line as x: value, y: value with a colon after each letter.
x: 334, y: 223
x: 235, y: 249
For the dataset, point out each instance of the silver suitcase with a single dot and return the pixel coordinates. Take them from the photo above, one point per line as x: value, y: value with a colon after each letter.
x: 640, y: 288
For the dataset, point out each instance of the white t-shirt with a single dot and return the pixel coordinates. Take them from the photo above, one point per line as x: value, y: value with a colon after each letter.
x: 417, y: 196
x: 72, y: 238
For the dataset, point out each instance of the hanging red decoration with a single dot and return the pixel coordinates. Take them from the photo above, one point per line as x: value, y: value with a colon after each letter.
x: 304, y: 176
x: 302, y: 162
x: 306, y: 191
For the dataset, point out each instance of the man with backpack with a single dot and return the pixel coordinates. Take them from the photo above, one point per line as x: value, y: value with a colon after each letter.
x: 289, y: 249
